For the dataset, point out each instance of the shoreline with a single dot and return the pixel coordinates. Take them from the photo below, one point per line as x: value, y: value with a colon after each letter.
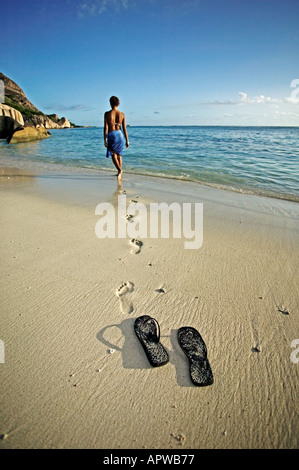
x: 43, y: 166
x: 60, y: 183
x: 75, y: 375
x: 42, y: 169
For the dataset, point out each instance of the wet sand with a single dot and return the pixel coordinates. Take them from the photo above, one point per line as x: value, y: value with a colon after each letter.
x: 75, y: 375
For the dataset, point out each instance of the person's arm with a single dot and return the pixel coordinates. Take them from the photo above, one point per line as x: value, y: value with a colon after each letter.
x: 125, y: 131
x: 105, y: 129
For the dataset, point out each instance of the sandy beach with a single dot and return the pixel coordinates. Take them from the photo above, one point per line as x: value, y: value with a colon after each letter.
x: 75, y: 375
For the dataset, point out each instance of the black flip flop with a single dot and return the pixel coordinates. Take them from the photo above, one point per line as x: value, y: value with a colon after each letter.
x: 148, y: 332
x: 195, y: 349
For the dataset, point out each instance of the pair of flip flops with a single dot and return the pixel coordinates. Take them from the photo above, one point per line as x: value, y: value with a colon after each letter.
x: 147, y: 330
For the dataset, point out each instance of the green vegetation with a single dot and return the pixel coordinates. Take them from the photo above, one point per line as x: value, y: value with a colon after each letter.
x: 29, y: 112
x: 24, y: 111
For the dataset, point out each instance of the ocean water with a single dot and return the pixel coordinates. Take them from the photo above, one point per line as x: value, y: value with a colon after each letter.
x: 254, y: 160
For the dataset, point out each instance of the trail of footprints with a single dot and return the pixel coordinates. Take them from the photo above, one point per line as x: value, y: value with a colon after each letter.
x: 134, y: 242
x: 125, y: 290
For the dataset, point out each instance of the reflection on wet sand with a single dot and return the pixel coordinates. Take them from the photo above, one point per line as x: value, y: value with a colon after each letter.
x: 15, y: 175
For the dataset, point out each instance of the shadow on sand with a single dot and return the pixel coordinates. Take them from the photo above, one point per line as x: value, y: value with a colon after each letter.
x: 133, y: 355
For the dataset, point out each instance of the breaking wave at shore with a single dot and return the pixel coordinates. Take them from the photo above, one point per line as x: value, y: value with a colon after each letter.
x: 251, y: 160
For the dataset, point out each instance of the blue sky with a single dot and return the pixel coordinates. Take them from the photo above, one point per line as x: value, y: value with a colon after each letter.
x: 171, y: 62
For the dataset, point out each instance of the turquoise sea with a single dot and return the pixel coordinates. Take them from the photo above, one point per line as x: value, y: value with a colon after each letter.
x: 254, y: 160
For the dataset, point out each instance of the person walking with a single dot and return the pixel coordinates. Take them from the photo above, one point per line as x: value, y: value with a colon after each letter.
x: 114, y: 137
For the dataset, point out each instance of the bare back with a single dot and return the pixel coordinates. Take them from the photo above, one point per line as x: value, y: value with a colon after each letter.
x: 114, y: 120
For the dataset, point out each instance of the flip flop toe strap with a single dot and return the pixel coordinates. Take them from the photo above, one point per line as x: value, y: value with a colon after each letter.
x: 149, y: 335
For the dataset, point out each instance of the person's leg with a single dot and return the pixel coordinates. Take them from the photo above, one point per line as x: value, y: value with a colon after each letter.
x: 120, y: 165
x: 116, y: 162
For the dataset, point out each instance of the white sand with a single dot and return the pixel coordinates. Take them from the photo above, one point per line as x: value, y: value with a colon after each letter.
x: 75, y: 375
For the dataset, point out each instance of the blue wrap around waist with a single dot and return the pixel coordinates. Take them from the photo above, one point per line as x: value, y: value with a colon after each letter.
x: 116, y: 142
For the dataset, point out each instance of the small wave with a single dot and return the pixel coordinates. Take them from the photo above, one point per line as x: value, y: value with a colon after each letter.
x: 255, y: 161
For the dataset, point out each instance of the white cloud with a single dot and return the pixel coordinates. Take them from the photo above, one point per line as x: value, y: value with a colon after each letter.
x: 218, y: 102
x: 279, y: 114
x: 261, y: 99
x: 97, y: 7
x: 245, y: 99
x: 62, y: 107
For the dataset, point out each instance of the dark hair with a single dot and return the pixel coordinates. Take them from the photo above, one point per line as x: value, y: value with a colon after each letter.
x: 114, y: 101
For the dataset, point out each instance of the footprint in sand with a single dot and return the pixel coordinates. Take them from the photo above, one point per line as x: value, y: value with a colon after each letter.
x: 136, y: 244
x: 124, y: 292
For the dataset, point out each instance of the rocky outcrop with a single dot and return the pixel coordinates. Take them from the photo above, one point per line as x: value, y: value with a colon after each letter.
x: 53, y: 117
x: 7, y: 126
x: 16, y: 99
x: 14, y: 95
x: 27, y: 134
x: 10, y: 120
x: 36, y: 120
x: 11, y: 112
x: 64, y: 123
